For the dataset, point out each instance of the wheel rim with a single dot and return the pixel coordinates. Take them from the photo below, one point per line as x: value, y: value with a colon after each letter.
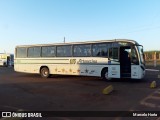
x: 44, y: 72
x: 106, y: 75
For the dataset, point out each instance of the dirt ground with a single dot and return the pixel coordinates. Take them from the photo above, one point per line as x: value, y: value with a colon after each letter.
x: 30, y: 92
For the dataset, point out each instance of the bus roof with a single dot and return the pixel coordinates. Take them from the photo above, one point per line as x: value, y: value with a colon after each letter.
x: 89, y: 42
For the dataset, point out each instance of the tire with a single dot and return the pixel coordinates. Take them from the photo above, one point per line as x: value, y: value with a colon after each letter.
x: 44, y: 72
x: 105, y: 75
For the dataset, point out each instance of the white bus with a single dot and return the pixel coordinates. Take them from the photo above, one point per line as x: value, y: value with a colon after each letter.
x: 6, y: 59
x: 119, y: 58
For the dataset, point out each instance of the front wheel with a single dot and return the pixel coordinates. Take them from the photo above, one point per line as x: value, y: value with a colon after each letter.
x: 44, y: 72
x: 105, y: 75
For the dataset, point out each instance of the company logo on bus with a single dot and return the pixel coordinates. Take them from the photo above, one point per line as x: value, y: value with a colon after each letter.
x: 87, y: 61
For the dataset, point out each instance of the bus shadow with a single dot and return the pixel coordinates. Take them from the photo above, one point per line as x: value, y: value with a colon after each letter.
x: 82, y: 78
x: 30, y: 75
x: 128, y: 80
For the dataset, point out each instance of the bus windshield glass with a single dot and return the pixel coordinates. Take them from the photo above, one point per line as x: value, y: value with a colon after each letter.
x: 140, y: 49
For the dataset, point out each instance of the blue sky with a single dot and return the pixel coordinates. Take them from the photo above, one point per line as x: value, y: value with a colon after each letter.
x: 48, y: 21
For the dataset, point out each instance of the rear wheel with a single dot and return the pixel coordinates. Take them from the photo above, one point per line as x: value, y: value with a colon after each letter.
x: 105, y: 74
x: 44, y: 72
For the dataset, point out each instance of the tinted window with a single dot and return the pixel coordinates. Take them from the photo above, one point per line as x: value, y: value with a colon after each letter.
x: 48, y: 51
x: 64, y: 51
x: 82, y: 50
x: 100, y: 49
x: 34, y: 52
x: 21, y: 52
x: 134, y: 56
x: 113, y: 53
x: 115, y: 44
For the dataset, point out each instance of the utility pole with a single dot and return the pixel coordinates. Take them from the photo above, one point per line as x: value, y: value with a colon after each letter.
x: 155, y: 59
x: 64, y: 40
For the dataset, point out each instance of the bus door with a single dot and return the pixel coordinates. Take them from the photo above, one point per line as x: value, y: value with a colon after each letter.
x: 125, y: 62
x: 114, y: 68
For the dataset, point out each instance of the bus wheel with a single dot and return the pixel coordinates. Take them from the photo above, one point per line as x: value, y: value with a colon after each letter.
x: 44, y: 72
x: 105, y: 74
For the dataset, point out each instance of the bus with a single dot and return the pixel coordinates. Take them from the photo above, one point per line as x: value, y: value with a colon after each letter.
x: 118, y: 58
x: 6, y: 59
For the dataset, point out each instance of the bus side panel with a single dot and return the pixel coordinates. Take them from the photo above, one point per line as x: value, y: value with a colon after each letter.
x: 22, y: 68
x: 25, y: 65
x: 95, y: 70
x: 114, y: 71
x: 78, y: 69
x: 3, y: 62
x: 67, y: 69
x: 135, y: 71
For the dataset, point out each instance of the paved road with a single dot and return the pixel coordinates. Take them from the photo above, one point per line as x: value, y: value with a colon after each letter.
x: 72, y: 93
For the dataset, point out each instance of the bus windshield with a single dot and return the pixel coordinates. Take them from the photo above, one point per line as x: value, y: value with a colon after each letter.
x: 141, y: 54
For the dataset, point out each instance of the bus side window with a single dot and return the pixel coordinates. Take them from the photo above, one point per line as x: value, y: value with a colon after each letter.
x: 21, y: 52
x: 34, y: 52
x: 48, y: 51
x: 113, y: 53
x: 83, y: 50
x: 64, y: 51
x: 100, y: 50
